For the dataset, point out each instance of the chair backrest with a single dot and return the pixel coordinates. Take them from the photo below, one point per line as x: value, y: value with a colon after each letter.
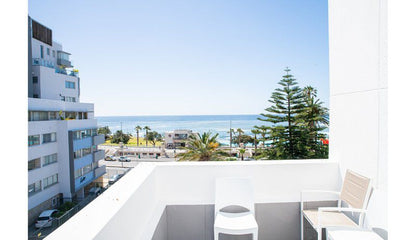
x: 234, y: 192
x: 356, y: 190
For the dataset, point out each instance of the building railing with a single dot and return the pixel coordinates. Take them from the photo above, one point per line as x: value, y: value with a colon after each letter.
x: 98, y: 155
x: 98, y: 172
x: 98, y: 139
x: 50, y: 64
x: 42, y: 62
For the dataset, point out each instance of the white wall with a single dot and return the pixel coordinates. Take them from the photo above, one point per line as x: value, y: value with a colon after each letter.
x: 358, y: 94
x: 132, y: 207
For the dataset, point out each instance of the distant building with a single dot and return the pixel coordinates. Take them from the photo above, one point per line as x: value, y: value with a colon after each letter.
x: 177, y: 138
x: 62, y: 142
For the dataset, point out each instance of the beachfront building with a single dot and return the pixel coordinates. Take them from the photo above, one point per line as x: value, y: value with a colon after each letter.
x: 177, y: 138
x: 62, y: 132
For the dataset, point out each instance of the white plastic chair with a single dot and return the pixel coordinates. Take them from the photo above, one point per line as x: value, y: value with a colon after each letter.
x: 234, y: 192
x: 355, y: 193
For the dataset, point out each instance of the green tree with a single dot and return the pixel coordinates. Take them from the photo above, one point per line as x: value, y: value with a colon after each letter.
x: 242, y: 151
x: 255, y: 141
x: 244, y: 139
x: 287, y: 104
x: 138, y: 128
x: 104, y: 130
x: 154, y: 137
x: 147, y: 129
x: 314, y: 119
x: 119, y: 136
x: 240, y: 132
x: 231, y: 132
x: 203, y: 147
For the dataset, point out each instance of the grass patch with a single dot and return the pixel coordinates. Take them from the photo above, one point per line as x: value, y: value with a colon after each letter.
x: 133, y: 142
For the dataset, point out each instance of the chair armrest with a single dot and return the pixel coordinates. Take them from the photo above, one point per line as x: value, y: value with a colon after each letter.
x: 337, y: 209
x: 340, y: 209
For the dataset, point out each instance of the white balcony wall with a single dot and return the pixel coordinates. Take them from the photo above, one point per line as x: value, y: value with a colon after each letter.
x: 132, y: 207
x: 358, y: 94
x: 36, y: 104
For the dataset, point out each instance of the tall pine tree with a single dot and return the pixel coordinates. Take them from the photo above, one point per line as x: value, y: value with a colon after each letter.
x: 285, y: 134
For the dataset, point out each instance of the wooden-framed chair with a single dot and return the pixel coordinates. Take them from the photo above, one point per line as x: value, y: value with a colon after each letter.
x: 355, y: 192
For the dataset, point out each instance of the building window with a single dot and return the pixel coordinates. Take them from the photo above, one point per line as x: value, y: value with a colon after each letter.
x: 69, y: 84
x: 86, y: 169
x: 69, y: 99
x: 35, y: 79
x: 49, y: 159
x: 52, y: 115
x: 34, y: 140
x: 34, y: 188
x: 49, y: 181
x: 33, y: 164
x: 71, y: 115
x: 53, y: 53
x: 49, y: 137
x: 38, y: 116
x: 41, y: 51
x: 35, y: 96
x: 48, y: 51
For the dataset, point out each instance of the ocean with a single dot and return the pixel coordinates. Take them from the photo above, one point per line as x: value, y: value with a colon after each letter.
x: 198, y: 123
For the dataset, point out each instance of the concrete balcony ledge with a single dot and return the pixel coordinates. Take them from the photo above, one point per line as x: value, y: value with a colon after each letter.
x: 98, y: 139
x: 98, y: 172
x: 136, y: 206
x: 98, y: 155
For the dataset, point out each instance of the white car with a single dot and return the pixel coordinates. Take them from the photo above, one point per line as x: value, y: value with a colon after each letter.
x: 114, y: 178
x: 124, y: 159
x: 45, y: 218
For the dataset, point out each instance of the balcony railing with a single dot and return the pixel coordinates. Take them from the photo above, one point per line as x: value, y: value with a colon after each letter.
x: 42, y: 62
x: 98, y: 139
x: 137, y: 205
x: 98, y: 172
x: 98, y: 155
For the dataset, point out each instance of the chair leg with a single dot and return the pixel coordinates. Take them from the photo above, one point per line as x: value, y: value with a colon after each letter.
x: 301, y: 225
x: 216, y: 234
x: 256, y: 234
x: 319, y: 231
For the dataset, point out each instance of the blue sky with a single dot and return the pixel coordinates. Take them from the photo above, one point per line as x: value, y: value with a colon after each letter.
x: 189, y: 57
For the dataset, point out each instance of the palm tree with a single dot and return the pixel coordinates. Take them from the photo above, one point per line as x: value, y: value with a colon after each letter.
x: 242, y: 151
x: 147, y: 131
x: 239, y: 131
x: 255, y: 132
x: 203, y: 147
x: 231, y: 132
x: 138, y: 128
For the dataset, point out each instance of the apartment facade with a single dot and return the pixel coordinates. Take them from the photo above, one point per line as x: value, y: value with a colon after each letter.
x: 177, y: 138
x: 62, y: 132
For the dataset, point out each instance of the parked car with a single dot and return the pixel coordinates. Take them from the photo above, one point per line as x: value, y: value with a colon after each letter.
x: 95, y: 191
x: 110, y: 158
x: 45, y: 218
x: 124, y: 159
x: 114, y: 178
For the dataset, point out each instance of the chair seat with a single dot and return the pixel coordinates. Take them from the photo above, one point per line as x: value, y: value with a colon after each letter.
x: 341, y: 234
x: 335, y: 219
x: 235, y: 222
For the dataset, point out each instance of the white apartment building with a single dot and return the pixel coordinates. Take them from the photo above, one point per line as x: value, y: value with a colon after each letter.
x: 62, y: 143
x: 177, y: 138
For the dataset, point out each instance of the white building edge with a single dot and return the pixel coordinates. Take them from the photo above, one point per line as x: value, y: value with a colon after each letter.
x: 62, y: 153
x: 170, y: 201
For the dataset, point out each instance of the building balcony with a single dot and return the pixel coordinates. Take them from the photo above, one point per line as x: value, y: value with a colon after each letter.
x: 98, y: 155
x: 98, y: 172
x: 162, y: 201
x: 42, y: 62
x: 98, y: 139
